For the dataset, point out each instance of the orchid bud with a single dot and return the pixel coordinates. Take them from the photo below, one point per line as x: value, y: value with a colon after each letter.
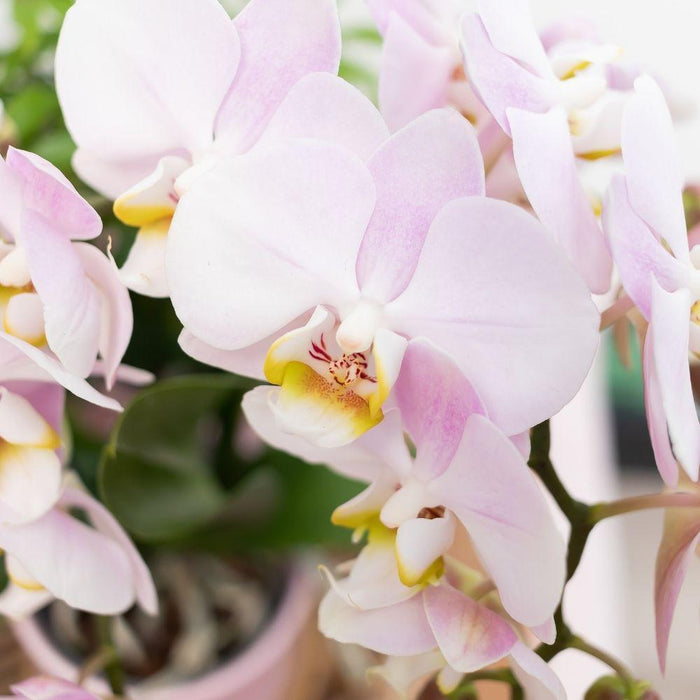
x: 615, y: 688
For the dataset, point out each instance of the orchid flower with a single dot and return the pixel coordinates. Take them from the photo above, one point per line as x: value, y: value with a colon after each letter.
x: 41, y: 688
x: 94, y: 568
x: 30, y: 463
x: 559, y: 104
x: 680, y: 540
x: 645, y: 223
x: 421, y: 65
x: 466, y: 474
x: 436, y: 630
x: 154, y: 93
x: 304, y: 264
x: 60, y: 299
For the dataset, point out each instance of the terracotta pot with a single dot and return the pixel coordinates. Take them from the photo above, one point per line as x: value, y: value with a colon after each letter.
x: 263, y: 671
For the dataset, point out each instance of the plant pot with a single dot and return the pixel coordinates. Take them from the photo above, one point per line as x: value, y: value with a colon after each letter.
x: 262, y: 671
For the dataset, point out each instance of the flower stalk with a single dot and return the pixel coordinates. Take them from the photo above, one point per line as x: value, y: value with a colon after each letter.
x: 112, y: 667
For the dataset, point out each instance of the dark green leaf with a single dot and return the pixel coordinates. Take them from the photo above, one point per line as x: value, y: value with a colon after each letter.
x: 158, y: 473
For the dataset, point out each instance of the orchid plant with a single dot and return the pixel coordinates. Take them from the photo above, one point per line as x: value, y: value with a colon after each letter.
x: 395, y: 296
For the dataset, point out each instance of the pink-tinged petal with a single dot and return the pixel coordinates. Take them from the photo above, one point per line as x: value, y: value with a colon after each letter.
x: 47, y: 192
x: 139, y: 80
x: 670, y: 320
x: 567, y: 29
x: 636, y: 251
x: 546, y: 632
x: 51, y: 689
x: 654, y: 177
x: 511, y: 29
x: 522, y: 443
x: 680, y: 538
x: 107, y: 525
x: 18, y: 603
x: 144, y: 268
x: 22, y: 361
x: 423, y: 16
x: 264, y: 238
x: 428, y: 163
x: 420, y: 542
x: 71, y: 303
x: 543, y: 154
x: 30, y: 482
x: 22, y: 424
x: 493, y: 290
x: 470, y: 636
x: 380, y: 451
x: 10, y: 202
x: 656, y: 417
x: 374, y: 580
x: 401, y: 629
x: 500, y: 81
x: 415, y: 74
x: 435, y: 399
x: 117, y: 320
x: 535, y: 675
x: 325, y: 107
x: 74, y: 562
x: 281, y: 42
x: 491, y: 490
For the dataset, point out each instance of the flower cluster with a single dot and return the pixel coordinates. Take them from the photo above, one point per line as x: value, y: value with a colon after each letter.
x: 418, y: 284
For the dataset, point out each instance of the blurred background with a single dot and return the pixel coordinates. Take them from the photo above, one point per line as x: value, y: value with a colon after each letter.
x: 601, y: 443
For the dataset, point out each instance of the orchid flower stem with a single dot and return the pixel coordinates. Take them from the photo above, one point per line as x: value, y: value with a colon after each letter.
x: 112, y: 667
x: 601, y: 511
x: 615, y: 664
x: 96, y: 663
x: 576, y: 512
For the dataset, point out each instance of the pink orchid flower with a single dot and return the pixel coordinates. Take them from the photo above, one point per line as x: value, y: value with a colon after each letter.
x: 60, y: 299
x: 436, y: 630
x: 30, y: 462
x: 90, y: 567
x: 559, y: 104
x: 41, y: 688
x: 679, y: 542
x: 313, y: 267
x: 154, y: 93
x: 421, y: 65
x: 645, y: 223
x: 466, y: 474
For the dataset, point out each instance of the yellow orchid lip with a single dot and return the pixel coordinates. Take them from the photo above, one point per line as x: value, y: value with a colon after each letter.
x: 425, y: 577
x: 139, y: 215
x: 334, y: 406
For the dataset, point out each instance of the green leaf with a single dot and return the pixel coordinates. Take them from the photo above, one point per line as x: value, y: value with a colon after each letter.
x: 283, y: 503
x: 158, y: 474
x: 33, y: 110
